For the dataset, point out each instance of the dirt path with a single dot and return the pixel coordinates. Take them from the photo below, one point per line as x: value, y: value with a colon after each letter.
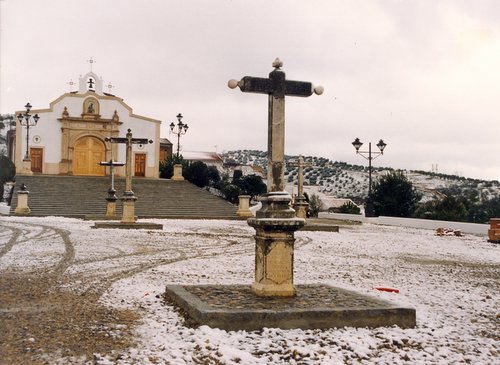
x: 52, y: 310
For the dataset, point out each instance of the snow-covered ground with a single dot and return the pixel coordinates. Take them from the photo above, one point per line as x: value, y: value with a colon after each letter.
x: 453, y: 282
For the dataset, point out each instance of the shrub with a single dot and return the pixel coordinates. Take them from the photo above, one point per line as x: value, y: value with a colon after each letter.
x: 349, y: 208
x: 315, y: 205
x: 231, y: 193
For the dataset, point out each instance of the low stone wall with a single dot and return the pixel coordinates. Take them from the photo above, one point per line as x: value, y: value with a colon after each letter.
x: 470, y: 228
x: 4, y: 209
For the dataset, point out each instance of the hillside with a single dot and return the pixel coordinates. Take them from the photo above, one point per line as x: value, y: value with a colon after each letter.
x: 342, y: 180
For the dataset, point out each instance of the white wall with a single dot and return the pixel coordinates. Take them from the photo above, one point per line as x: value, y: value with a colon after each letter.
x: 470, y: 228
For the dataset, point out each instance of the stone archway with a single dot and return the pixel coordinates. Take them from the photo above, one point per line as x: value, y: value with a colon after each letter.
x: 88, y: 152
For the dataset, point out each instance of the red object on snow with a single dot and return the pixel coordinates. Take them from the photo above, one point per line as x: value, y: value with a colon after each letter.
x: 389, y: 290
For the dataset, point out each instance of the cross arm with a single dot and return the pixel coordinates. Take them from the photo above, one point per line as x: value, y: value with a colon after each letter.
x: 126, y: 140
x: 141, y: 140
x: 298, y: 88
x: 111, y: 163
x: 116, y: 139
x: 256, y: 85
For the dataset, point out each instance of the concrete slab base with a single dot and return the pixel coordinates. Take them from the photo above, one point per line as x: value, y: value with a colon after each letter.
x: 236, y: 307
x: 120, y: 225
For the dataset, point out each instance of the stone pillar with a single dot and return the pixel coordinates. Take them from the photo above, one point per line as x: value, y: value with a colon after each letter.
x: 128, y: 198
x: 111, y: 204
x: 22, y: 202
x: 25, y: 168
x: 494, y: 231
x: 244, y: 207
x: 128, y: 214
x: 177, y: 173
x: 301, y: 206
x: 275, y: 224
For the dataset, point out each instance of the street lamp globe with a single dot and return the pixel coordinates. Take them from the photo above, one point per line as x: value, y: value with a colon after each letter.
x: 357, y: 144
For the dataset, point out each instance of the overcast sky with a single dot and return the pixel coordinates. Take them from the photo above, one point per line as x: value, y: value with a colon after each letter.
x: 422, y: 75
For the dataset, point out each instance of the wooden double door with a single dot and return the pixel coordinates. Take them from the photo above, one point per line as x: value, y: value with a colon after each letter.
x: 87, y: 154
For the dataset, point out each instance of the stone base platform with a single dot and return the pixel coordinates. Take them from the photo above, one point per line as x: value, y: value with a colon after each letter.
x: 119, y: 225
x: 236, y: 307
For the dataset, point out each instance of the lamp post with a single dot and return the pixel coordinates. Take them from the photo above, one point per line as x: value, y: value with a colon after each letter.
x: 181, y: 130
x: 369, y: 155
x: 27, y: 120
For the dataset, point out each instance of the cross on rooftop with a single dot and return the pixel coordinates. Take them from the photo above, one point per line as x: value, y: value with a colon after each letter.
x: 91, y: 61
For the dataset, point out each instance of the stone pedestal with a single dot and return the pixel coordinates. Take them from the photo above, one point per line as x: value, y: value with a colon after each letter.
x: 22, y: 202
x: 177, y: 173
x: 301, y: 206
x: 25, y: 168
x: 111, y: 204
x: 275, y: 224
x: 128, y: 200
x: 244, y: 207
x: 494, y: 231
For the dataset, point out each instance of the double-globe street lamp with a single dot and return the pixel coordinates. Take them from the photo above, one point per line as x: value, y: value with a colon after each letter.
x: 369, y: 155
x: 27, y: 120
x: 181, y: 130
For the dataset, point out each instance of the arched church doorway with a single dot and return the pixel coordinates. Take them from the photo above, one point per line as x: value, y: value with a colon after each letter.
x: 88, y: 152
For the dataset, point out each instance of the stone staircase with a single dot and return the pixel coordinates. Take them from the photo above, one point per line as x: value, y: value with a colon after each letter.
x: 80, y: 197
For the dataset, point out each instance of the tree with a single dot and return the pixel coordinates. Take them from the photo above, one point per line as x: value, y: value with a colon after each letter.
x: 237, y: 174
x: 315, y: 205
x: 167, y: 166
x: 393, y: 195
x: 251, y: 185
x: 7, y: 172
x: 447, y: 209
x: 213, y: 175
x: 196, y: 173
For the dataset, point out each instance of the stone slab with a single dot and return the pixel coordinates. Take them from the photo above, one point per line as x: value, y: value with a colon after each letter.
x: 319, y: 227
x: 316, y: 306
x: 100, y: 217
x: 136, y: 225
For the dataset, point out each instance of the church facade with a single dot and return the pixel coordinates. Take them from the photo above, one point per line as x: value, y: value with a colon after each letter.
x: 70, y: 136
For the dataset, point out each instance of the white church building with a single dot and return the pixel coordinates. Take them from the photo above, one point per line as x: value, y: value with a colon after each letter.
x: 70, y: 136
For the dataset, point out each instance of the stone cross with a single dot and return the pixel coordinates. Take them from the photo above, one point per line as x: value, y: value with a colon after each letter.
x: 128, y: 196
x: 300, y: 204
x: 111, y: 165
x: 275, y: 223
x: 300, y: 174
x: 277, y: 87
x: 111, y: 198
